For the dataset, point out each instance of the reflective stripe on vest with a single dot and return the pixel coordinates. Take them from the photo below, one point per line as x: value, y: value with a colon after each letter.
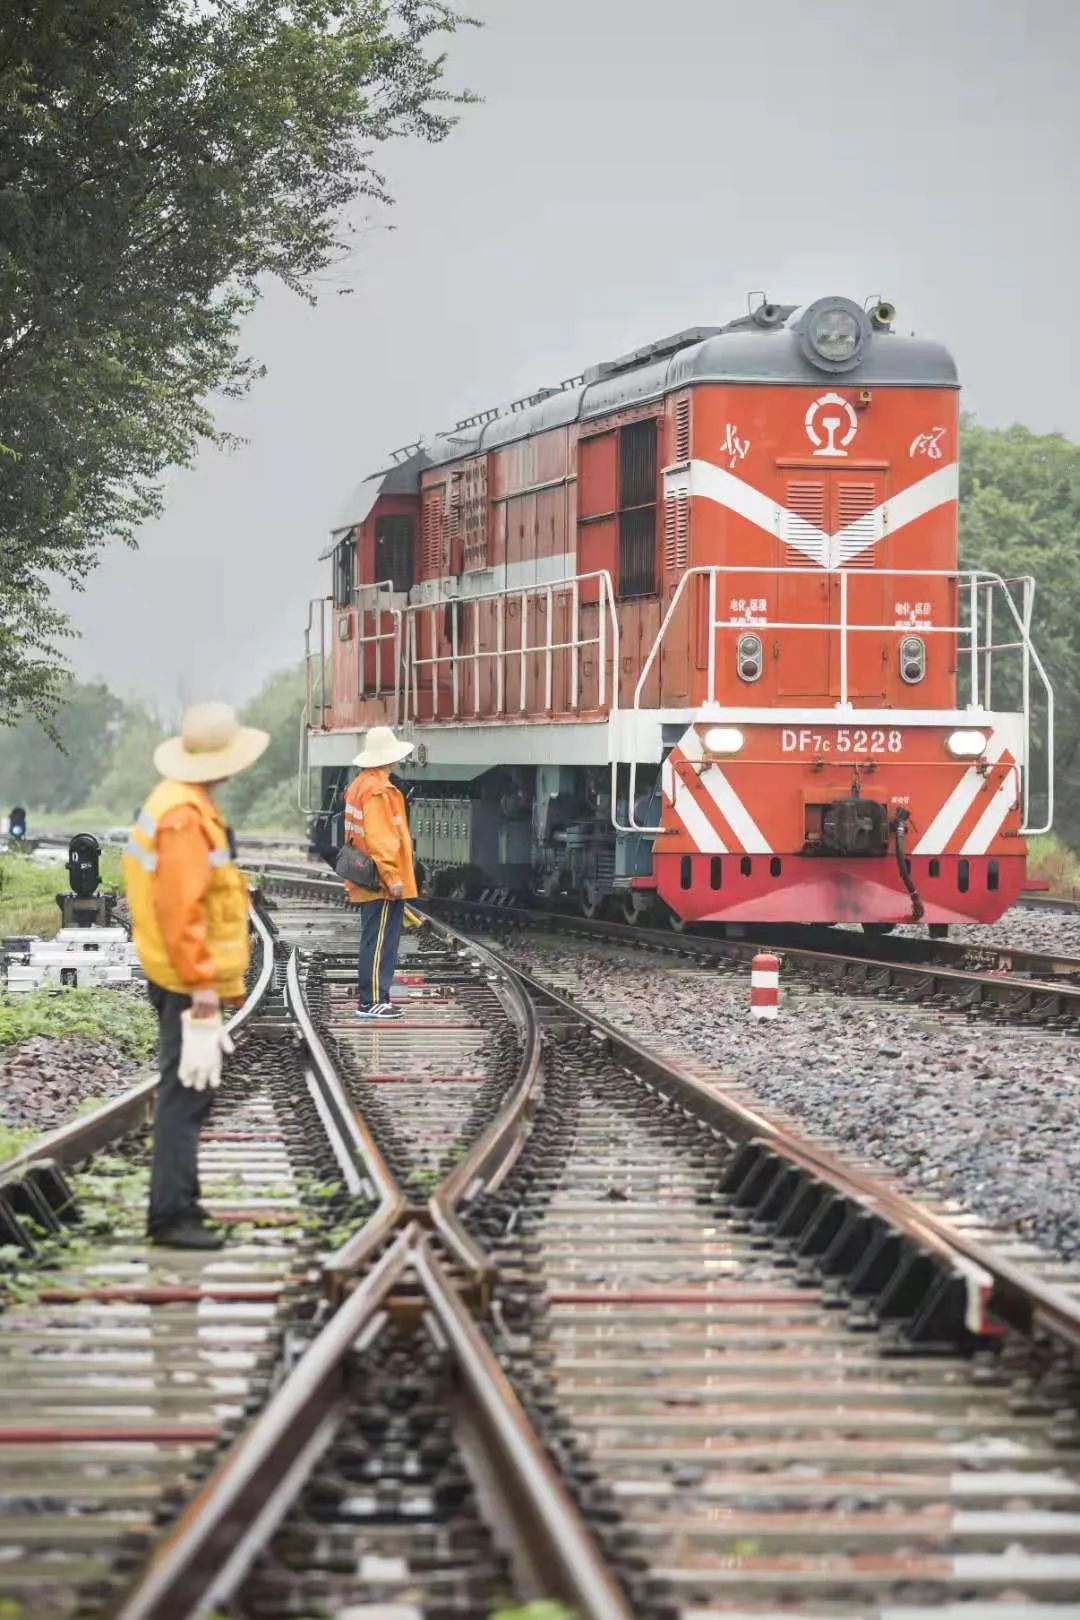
x: 226, y: 903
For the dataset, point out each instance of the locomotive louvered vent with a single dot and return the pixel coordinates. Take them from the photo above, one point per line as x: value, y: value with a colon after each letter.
x: 676, y: 532
x: 803, y: 524
x: 432, y: 533
x: 858, y: 524
x: 453, y: 510
x: 682, y: 428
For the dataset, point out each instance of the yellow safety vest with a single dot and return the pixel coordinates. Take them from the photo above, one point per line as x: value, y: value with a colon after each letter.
x: 227, y: 901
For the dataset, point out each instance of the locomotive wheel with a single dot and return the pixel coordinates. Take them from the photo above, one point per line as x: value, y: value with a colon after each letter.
x: 877, y: 928
x: 590, y: 901
x: 676, y: 923
x: 632, y: 907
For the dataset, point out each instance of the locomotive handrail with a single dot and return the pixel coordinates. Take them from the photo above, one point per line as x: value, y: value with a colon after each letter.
x: 976, y: 581
x: 606, y: 641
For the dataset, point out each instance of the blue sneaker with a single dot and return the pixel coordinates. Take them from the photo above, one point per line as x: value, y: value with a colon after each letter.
x: 381, y: 1013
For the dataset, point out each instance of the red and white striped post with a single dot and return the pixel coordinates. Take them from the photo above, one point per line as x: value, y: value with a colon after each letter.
x: 764, y: 986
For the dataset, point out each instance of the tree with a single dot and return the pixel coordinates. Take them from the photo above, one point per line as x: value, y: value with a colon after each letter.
x: 130, y: 774
x: 265, y: 795
x: 1020, y: 514
x: 36, y: 772
x: 159, y: 159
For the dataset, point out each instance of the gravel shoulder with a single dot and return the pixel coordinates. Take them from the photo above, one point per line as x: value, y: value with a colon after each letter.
x: 982, y: 1113
x: 61, y: 1049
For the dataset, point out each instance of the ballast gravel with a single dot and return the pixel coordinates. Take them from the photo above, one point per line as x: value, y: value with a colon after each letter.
x: 979, y: 1112
x: 1028, y: 928
x: 44, y: 1080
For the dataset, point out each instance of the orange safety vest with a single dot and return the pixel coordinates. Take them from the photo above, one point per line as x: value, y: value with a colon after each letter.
x: 227, y: 901
x: 377, y: 823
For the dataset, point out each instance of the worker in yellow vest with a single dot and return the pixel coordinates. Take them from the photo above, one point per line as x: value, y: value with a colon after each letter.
x: 377, y: 824
x: 189, y: 918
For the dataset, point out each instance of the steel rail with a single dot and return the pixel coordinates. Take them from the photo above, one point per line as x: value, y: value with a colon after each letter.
x: 564, y: 1555
x: 79, y: 1138
x: 210, y: 1547
x: 495, y: 1149
x: 851, y: 965
x: 491, y: 1155
x: 348, y: 1261
x: 1023, y: 1300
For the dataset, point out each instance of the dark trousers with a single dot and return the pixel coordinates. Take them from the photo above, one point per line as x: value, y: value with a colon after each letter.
x: 178, y: 1113
x: 380, y: 936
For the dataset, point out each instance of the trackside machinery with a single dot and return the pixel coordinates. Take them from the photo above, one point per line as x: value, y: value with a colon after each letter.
x: 690, y: 631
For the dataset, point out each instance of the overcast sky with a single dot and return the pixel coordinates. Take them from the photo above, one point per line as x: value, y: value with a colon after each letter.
x: 635, y: 168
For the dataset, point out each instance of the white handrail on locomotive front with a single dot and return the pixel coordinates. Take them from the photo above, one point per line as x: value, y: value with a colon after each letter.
x: 377, y: 636
x: 977, y: 578
x: 607, y: 624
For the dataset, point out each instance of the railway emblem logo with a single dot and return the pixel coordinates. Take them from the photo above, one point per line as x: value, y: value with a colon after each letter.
x: 831, y: 425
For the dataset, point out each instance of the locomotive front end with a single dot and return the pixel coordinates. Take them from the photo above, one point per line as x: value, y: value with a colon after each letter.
x: 862, y: 741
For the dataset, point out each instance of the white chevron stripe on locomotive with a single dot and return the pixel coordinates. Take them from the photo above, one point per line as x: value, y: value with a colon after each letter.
x: 725, y: 798
x: 715, y: 483
x: 698, y: 823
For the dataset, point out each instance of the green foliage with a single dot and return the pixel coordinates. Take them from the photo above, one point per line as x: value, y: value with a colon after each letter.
x: 108, y: 769
x: 127, y: 1021
x: 28, y: 892
x: 159, y: 161
x: 38, y: 770
x: 1055, y: 863
x: 13, y: 1138
x: 265, y: 796
x: 1020, y: 514
x: 546, y: 1609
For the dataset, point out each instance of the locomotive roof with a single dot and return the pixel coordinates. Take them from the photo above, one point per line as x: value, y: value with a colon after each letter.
x: 743, y: 351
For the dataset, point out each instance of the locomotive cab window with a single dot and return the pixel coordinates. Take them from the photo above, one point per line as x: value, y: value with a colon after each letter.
x: 394, y: 551
x: 637, y: 509
x: 345, y: 570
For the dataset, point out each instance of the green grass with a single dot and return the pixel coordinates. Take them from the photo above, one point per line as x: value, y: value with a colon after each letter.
x: 28, y: 892
x: 13, y: 1138
x: 1055, y: 863
x: 127, y: 1022
x: 546, y: 1609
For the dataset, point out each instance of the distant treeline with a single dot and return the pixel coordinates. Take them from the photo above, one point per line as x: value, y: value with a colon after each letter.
x: 105, y: 759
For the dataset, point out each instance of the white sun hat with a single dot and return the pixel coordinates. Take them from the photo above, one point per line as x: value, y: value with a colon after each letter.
x: 381, y: 747
x: 211, y: 746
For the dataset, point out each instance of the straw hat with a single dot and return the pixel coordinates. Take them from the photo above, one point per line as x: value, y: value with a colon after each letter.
x: 212, y: 745
x: 381, y: 747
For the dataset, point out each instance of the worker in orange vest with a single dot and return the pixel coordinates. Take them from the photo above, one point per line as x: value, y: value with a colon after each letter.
x: 189, y: 919
x: 377, y: 824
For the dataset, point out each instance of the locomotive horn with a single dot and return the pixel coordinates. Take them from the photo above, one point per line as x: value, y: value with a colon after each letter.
x: 882, y: 316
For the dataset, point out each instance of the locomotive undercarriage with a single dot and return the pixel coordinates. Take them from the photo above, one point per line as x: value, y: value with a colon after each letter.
x: 544, y: 831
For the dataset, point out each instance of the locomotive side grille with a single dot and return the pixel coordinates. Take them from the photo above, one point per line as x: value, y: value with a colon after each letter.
x: 682, y: 428
x: 637, y: 553
x: 803, y: 525
x: 676, y: 532
x: 637, y: 509
x: 637, y: 463
x: 431, y: 537
x: 857, y: 524
x: 475, y: 508
x: 394, y: 551
x: 453, y: 507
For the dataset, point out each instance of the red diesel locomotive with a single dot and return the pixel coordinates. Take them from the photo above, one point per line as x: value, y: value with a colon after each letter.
x: 689, y: 631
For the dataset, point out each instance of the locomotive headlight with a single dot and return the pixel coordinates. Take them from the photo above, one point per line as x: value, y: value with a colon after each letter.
x: 833, y: 333
x: 966, y: 744
x: 723, y: 739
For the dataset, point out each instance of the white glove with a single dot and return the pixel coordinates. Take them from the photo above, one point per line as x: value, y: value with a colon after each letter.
x: 203, y: 1043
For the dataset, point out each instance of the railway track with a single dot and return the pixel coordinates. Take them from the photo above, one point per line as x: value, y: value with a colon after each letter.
x: 1013, y: 984
x: 712, y: 1369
